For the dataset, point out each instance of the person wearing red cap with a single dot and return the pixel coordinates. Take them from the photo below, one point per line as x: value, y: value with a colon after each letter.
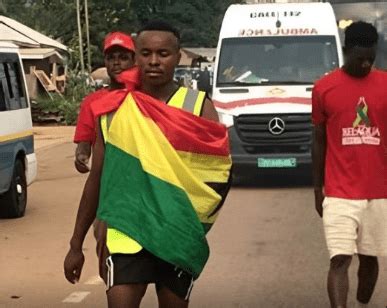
x: 118, y: 57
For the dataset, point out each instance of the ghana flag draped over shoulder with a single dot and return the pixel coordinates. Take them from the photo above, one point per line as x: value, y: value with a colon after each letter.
x: 165, y: 176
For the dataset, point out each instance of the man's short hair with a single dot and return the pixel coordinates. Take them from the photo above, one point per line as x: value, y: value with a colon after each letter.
x: 160, y: 25
x: 361, y: 34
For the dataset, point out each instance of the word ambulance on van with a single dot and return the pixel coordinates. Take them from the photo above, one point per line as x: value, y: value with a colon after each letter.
x: 268, y: 32
x: 268, y: 57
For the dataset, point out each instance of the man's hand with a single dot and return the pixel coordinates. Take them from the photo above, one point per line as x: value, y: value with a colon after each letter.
x: 82, y: 155
x: 103, y: 269
x: 100, y: 229
x: 318, y: 158
x: 81, y: 162
x: 73, y: 265
x: 318, y: 199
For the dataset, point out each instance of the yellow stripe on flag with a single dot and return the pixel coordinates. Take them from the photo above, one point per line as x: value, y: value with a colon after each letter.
x: 209, y: 168
x: 158, y: 157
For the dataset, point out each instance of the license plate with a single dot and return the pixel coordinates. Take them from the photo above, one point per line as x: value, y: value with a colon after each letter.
x: 277, y: 162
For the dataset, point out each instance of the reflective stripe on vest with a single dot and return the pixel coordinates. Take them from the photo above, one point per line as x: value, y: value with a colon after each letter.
x: 188, y: 99
x: 118, y: 242
x: 105, y: 121
x: 184, y: 98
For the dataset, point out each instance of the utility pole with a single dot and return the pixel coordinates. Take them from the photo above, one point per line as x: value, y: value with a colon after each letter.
x: 88, y: 37
x: 80, y: 38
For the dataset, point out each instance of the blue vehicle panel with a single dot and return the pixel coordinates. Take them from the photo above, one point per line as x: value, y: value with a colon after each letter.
x: 8, y: 152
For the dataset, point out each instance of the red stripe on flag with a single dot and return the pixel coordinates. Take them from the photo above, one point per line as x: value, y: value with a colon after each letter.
x: 262, y: 100
x: 177, y: 125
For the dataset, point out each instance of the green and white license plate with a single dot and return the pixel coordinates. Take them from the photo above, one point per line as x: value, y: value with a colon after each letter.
x: 277, y: 162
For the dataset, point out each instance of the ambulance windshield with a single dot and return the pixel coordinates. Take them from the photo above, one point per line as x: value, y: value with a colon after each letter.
x: 248, y: 61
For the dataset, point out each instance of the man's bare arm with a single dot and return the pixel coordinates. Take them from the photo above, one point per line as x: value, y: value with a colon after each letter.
x: 209, y: 112
x: 89, y: 201
x: 86, y: 212
x: 318, y: 158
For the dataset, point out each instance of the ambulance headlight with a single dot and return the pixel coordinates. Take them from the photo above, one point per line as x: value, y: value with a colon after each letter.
x: 226, y: 119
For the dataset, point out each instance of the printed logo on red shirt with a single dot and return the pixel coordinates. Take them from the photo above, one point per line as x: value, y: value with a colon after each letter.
x: 361, y: 132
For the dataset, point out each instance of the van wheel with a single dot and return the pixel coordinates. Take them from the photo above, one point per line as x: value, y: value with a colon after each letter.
x: 14, y: 201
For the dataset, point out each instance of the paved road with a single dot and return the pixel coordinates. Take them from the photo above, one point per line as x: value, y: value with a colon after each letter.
x: 267, y: 249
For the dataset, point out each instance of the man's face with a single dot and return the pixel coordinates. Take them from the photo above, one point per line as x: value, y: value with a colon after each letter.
x: 117, y: 60
x: 157, y: 55
x: 359, y: 60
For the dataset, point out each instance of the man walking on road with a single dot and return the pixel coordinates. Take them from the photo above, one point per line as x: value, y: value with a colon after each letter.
x: 165, y: 176
x: 118, y: 56
x: 350, y: 160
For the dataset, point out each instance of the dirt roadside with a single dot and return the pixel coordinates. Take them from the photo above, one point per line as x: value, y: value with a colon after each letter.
x: 48, y: 136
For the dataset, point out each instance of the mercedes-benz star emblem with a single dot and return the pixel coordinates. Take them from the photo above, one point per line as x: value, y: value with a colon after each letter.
x: 276, y: 126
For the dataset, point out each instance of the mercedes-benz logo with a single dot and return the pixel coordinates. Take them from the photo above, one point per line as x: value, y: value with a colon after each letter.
x: 276, y: 126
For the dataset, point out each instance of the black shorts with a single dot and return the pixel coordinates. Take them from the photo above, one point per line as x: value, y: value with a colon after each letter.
x: 144, y: 267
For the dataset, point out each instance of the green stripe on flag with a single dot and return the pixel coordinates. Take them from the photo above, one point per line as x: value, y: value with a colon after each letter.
x: 155, y: 213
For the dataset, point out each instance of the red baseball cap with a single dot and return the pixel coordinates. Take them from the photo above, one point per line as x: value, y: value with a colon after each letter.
x: 118, y: 39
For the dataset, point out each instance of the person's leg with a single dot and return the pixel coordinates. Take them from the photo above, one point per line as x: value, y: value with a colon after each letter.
x: 100, y: 229
x: 173, y: 286
x: 168, y: 299
x: 341, y: 220
x: 126, y: 296
x: 372, y: 242
x: 338, y: 284
x: 367, y: 275
x: 127, y: 279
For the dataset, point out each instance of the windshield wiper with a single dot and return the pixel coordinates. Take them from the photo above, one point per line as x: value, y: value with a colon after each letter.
x: 243, y: 83
x: 289, y: 82
x: 264, y: 82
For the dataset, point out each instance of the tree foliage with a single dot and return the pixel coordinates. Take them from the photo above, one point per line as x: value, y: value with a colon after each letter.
x: 198, y: 20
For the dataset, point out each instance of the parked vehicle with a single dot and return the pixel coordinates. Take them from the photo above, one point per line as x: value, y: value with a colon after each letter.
x: 18, y: 165
x: 268, y: 57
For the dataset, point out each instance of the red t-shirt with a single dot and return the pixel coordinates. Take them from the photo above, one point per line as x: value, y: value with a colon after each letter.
x: 354, y: 111
x: 93, y: 106
x: 85, y: 129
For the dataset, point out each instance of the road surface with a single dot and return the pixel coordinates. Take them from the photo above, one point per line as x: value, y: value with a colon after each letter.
x: 267, y: 248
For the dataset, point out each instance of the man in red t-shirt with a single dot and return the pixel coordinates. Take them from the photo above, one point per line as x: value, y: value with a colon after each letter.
x: 118, y: 56
x: 350, y: 164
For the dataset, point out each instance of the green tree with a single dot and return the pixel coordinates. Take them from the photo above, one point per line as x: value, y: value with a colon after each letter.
x: 199, y: 21
x: 3, y: 8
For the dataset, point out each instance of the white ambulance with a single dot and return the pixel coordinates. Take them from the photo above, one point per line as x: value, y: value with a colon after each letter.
x: 268, y: 57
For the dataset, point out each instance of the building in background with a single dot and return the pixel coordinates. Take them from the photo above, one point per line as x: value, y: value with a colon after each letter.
x: 197, y: 57
x: 44, y: 59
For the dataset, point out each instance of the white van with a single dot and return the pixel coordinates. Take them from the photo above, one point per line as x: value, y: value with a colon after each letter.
x: 17, y: 158
x: 268, y: 57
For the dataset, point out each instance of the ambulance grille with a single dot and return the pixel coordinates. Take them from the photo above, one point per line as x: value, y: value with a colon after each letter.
x: 253, y: 130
